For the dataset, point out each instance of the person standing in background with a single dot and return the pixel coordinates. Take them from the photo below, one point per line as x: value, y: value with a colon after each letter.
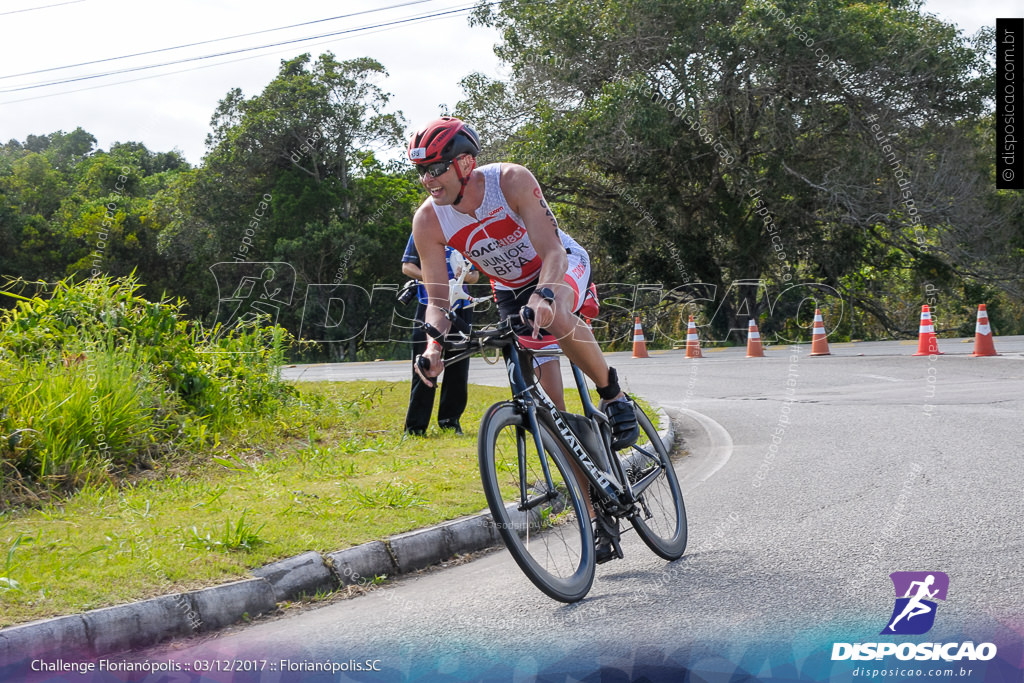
x: 454, y: 388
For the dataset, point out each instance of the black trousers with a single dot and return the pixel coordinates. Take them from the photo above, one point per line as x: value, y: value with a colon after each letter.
x: 454, y: 392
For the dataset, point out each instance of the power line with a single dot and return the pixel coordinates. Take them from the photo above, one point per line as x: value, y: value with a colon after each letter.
x: 205, y: 42
x: 240, y: 50
x: 223, y: 63
x: 185, y: 71
x: 378, y: 28
x: 33, y: 9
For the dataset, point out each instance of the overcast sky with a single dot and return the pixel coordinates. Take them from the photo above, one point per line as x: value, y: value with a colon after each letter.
x: 425, y: 59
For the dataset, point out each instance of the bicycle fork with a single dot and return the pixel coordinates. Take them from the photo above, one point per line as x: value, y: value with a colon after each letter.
x: 520, y: 394
x: 528, y: 407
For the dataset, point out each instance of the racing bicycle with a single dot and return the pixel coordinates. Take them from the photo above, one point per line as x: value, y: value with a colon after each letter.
x: 527, y: 451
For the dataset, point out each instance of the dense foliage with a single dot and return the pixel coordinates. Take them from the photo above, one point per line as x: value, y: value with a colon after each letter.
x: 842, y: 143
x: 97, y: 382
x: 709, y: 155
x: 291, y: 176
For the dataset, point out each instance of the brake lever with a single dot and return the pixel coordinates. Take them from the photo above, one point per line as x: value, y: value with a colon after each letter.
x: 526, y: 314
x: 423, y: 364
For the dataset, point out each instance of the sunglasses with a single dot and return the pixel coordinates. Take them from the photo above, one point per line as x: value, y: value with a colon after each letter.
x: 435, y: 169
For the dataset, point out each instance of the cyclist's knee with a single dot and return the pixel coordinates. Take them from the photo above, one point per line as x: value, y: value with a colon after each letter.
x: 562, y: 326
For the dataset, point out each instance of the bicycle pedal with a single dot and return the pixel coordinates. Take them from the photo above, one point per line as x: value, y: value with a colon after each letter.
x: 606, y: 540
x: 607, y: 549
x: 604, y: 551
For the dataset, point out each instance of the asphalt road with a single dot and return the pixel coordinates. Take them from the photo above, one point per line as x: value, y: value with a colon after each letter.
x: 810, y: 480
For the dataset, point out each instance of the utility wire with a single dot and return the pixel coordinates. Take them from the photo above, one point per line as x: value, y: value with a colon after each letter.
x: 33, y: 9
x: 240, y: 50
x: 368, y: 31
x: 198, y: 68
x: 206, y: 42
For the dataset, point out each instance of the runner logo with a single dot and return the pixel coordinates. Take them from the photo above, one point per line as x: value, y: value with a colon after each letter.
x: 914, y: 612
x: 249, y: 289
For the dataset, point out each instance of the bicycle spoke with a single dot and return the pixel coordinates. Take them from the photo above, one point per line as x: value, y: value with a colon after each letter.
x: 548, y: 539
x: 662, y: 520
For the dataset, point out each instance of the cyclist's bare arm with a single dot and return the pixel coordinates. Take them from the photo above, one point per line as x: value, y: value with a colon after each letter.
x: 525, y: 198
x: 429, y: 239
x: 574, y: 336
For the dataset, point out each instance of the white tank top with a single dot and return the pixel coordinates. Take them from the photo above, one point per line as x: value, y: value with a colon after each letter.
x: 497, y: 243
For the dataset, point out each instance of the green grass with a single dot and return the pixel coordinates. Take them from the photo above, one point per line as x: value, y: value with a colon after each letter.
x: 86, y: 415
x: 141, y: 454
x: 97, y: 383
x: 312, y: 478
x: 332, y: 471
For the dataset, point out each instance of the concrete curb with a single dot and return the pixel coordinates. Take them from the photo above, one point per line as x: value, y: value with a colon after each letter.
x: 149, y: 622
x: 361, y: 563
x: 60, y: 634
x: 138, y: 624
x: 303, y: 574
x: 223, y: 605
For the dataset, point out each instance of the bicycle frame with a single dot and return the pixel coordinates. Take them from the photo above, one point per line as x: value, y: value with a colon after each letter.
x: 610, y: 482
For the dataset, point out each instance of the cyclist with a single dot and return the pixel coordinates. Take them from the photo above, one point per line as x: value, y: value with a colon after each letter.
x: 496, y: 216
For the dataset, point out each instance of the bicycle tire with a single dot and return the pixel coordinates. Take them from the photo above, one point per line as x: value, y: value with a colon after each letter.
x: 661, y: 522
x: 552, y: 543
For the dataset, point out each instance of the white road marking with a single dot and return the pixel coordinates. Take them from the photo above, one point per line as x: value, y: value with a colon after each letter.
x: 708, y: 455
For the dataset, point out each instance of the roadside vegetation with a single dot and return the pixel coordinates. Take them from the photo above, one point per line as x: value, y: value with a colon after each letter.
x: 99, y: 385
x: 710, y: 160
x: 325, y: 472
x: 143, y: 455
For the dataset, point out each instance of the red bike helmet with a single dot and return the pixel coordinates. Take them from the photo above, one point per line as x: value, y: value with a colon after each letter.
x: 443, y: 140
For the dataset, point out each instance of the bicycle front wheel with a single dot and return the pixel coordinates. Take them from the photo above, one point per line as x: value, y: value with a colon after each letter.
x: 661, y: 521
x: 551, y: 541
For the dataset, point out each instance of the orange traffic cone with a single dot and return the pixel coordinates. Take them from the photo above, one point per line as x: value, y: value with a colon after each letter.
x: 983, y: 345
x: 819, y: 342
x: 927, y: 344
x: 692, y: 342
x: 639, y: 343
x: 754, y: 349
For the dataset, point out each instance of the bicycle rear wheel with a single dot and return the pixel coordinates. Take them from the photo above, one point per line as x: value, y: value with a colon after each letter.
x: 551, y: 542
x: 661, y: 522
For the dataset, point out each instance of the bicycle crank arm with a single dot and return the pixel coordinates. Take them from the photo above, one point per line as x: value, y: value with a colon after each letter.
x: 610, y: 528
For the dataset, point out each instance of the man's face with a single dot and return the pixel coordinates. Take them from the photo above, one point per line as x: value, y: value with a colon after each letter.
x: 443, y: 187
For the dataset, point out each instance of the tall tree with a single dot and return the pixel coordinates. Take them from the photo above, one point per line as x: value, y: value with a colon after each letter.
x: 305, y: 147
x: 70, y: 209
x: 744, y: 140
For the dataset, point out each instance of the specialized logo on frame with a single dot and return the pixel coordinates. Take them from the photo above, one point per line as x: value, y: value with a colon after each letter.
x: 916, y: 593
